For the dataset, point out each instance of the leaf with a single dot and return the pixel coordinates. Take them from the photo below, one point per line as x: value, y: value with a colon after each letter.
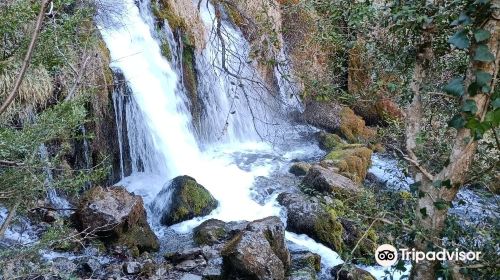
x: 496, y: 103
x: 460, y: 40
x: 457, y: 122
x: 481, y: 35
x: 483, y: 78
x: 483, y: 54
x: 493, y: 117
x: 423, y: 211
x: 455, y: 87
x: 470, y: 106
x: 462, y: 19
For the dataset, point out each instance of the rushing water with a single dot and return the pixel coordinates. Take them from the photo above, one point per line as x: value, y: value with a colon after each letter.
x: 226, y: 153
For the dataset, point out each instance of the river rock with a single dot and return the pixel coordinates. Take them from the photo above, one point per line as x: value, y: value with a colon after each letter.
x: 210, y: 232
x: 118, y: 217
x: 258, y: 252
x: 350, y: 272
x: 307, y: 215
x: 132, y: 268
x: 305, y: 265
x: 187, y: 200
x: 299, y: 168
x: 325, y: 180
x: 338, y: 119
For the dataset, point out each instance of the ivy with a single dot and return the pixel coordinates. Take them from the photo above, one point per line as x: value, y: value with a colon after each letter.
x: 483, y: 54
x: 460, y: 40
x: 469, y: 107
x: 457, y: 122
x: 481, y: 35
x: 455, y: 87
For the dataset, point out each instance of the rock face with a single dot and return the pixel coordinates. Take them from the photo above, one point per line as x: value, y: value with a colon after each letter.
x: 349, y: 272
x: 258, y: 252
x: 118, y: 217
x: 308, y: 216
x: 327, y: 181
x: 188, y: 199
x: 299, y: 168
x: 335, y: 118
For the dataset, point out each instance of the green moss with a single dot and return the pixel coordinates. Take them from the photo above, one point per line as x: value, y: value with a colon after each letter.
x: 353, y: 128
x: 329, y: 231
x: 205, y: 239
x: 352, y: 162
x: 139, y: 240
x: 234, y: 14
x: 165, y: 51
x: 192, y: 200
x: 329, y: 141
x: 164, y: 11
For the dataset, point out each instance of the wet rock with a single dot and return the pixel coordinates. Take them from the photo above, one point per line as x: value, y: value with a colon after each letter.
x: 63, y: 267
x: 132, y: 268
x: 258, y: 252
x: 337, y: 119
x: 188, y: 199
x: 300, y: 168
x: 90, y: 266
x: 350, y: 272
x: 189, y: 265
x: 308, y: 216
x: 118, y: 217
x: 327, y: 181
x: 305, y: 266
x: 210, y: 232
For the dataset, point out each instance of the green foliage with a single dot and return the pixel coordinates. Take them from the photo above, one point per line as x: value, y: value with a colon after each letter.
x: 26, y: 176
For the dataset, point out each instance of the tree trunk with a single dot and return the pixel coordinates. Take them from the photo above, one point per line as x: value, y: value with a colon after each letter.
x: 432, y: 220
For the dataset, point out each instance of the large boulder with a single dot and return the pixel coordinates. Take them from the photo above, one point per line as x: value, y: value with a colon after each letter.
x: 186, y: 199
x: 306, y: 215
x: 258, y: 252
x: 118, y: 217
x: 328, y: 181
x: 338, y: 119
x: 350, y: 272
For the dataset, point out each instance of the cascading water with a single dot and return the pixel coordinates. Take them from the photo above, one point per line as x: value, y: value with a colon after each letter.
x: 226, y: 155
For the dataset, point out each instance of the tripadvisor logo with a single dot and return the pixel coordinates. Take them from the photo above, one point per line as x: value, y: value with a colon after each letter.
x: 387, y: 255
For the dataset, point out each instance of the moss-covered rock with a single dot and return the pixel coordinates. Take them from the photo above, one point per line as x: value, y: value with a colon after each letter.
x: 118, y: 217
x: 328, y: 181
x: 210, y: 232
x: 350, y: 272
x: 299, y: 168
x: 351, y: 162
x: 335, y: 118
x: 305, y: 266
x: 329, y: 141
x: 188, y: 199
x: 353, y: 128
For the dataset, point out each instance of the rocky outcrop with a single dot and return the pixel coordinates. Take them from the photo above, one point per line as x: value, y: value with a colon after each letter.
x: 327, y: 181
x: 305, y: 265
x: 299, y: 168
x: 118, y: 217
x: 258, y: 252
x: 187, y: 200
x: 350, y: 272
x: 337, y: 119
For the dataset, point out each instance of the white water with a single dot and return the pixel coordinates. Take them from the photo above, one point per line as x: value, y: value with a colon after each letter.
x: 161, y: 139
